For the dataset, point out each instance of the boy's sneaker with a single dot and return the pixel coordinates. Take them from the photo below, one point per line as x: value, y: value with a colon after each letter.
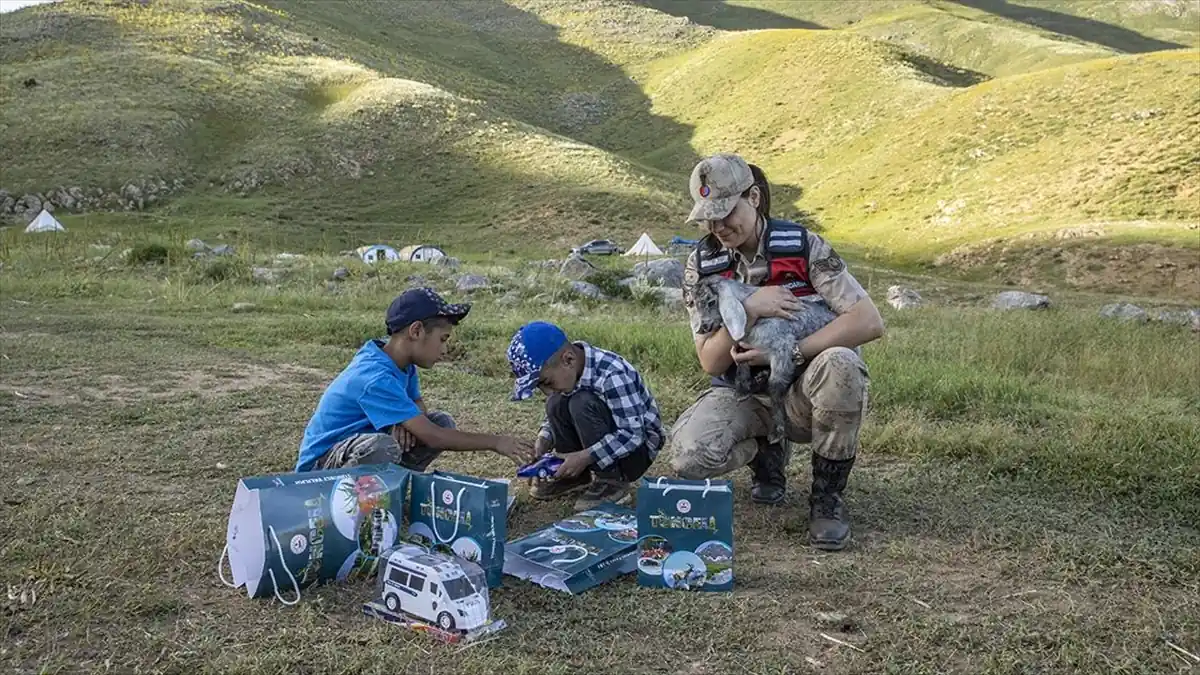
x: 603, y: 490
x: 558, y: 487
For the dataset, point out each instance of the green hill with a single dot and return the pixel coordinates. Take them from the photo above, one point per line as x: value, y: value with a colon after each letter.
x: 916, y: 131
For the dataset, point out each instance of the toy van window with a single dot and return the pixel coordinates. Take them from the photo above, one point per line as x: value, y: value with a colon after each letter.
x: 433, y: 589
x: 458, y: 588
x: 416, y: 583
x: 396, y: 576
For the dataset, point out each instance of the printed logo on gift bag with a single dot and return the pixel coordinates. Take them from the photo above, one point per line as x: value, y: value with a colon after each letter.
x: 466, y: 519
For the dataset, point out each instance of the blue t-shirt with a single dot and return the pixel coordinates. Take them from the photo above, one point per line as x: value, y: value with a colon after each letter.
x: 371, y: 394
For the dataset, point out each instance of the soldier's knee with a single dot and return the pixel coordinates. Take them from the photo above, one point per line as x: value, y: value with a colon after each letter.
x: 691, y: 467
x: 839, y: 380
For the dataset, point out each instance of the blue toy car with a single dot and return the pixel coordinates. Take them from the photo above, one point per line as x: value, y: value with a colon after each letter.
x: 544, y: 467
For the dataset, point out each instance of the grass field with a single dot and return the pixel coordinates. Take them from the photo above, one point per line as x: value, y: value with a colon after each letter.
x: 1026, y: 499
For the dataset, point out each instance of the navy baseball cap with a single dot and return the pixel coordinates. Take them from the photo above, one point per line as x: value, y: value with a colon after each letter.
x: 419, y: 304
x: 530, y: 349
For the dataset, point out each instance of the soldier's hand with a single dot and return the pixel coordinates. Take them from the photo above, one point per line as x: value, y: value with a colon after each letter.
x: 771, y: 301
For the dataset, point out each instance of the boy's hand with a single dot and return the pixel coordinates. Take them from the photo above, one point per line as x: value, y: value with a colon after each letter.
x: 519, y: 451
x: 404, y: 437
x: 574, y: 464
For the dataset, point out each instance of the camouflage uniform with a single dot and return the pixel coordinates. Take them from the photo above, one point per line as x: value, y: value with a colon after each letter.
x: 382, y: 448
x: 825, y: 406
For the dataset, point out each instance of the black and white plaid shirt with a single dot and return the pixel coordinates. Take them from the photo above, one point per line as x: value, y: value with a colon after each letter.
x: 633, y: 408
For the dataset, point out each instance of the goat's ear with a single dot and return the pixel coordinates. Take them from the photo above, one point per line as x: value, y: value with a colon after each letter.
x: 733, y: 314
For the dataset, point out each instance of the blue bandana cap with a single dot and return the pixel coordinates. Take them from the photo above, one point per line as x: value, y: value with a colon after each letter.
x: 530, y: 349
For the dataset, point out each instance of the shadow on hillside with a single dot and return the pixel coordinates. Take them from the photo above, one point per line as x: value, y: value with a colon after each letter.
x: 1078, y: 27
x: 724, y: 16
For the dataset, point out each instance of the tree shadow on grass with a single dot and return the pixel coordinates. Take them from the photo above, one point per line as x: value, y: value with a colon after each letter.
x: 724, y: 16
x: 1078, y: 27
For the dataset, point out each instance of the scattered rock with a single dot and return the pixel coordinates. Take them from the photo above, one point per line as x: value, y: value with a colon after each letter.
x: 288, y: 258
x: 627, y: 282
x: 1020, y: 300
x: 903, y: 298
x: 243, y: 306
x: 1124, y: 311
x: 416, y: 281
x: 575, y: 267
x: 222, y: 465
x: 587, y: 290
x: 508, y: 300
x: 471, y: 282
x: 265, y: 275
x: 1182, y: 318
x: 669, y: 297
x: 667, y: 272
x: 340, y: 274
x: 196, y: 245
x: 830, y: 618
x: 223, y: 249
x: 26, y: 480
x: 447, y: 261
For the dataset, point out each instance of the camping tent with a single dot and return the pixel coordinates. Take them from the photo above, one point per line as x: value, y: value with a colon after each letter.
x: 377, y: 253
x: 45, y: 223
x: 421, y: 253
x: 644, y: 246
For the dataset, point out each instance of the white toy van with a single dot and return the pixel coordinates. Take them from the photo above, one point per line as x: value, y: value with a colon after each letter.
x: 434, y: 587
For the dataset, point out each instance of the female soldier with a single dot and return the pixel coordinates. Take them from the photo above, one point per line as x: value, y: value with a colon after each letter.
x: 720, y: 433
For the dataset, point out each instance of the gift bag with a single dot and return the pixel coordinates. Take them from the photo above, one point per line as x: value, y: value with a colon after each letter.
x: 579, y: 552
x: 289, y: 531
x: 685, y: 534
x: 463, y: 515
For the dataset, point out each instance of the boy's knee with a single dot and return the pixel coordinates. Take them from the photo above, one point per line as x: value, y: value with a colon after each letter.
x: 586, y: 404
x: 442, y: 419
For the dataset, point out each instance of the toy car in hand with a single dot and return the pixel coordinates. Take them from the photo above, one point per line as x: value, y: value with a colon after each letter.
x: 544, y: 467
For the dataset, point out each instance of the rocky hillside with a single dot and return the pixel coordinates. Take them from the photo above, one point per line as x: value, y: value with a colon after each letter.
x: 958, y: 134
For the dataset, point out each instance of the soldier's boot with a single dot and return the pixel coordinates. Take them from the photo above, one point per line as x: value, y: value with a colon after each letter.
x: 769, y: 469
x: 828, y: 520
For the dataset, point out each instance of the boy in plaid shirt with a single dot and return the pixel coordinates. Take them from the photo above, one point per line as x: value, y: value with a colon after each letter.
x: 600, y: 416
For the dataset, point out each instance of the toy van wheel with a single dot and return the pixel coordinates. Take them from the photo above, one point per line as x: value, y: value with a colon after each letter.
x: 392, y: 602
x: 543, y: 473
x: 445, y: 621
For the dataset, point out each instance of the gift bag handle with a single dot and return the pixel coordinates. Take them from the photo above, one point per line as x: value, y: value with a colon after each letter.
x: 283, y: 562
x: 562, y: 560
x: 221, y: 564
x: 433, y: 511
x: 707, y: 486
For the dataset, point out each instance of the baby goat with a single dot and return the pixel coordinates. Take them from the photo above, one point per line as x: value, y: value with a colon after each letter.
x: 719, y: 302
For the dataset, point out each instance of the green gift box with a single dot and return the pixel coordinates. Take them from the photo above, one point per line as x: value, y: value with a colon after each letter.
x: 290, y: 531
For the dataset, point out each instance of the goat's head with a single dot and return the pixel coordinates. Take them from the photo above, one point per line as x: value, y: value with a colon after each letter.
x: 707, y: 301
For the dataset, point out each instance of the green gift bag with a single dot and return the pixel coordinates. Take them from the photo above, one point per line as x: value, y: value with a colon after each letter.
x: 290, y: 531
x: 462, y: 515
x: 685, y: 534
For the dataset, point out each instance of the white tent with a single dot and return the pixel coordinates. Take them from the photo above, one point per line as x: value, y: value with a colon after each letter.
x: 377, y: 253
x: 644, y: 246
x: 421, y: 253
x: 45, y: 223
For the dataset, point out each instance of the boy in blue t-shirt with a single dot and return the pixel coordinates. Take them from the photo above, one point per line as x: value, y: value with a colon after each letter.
x: 373, y: 412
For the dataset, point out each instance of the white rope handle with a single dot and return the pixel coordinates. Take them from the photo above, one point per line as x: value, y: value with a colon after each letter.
x: 707, y: 487
x: 433, y: 513
x: 658, y: 483
x: 285, y: 569
x: 221, y: 563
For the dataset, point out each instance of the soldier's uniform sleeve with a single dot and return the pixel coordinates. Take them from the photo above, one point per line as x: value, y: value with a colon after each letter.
x: 828, y: 274
x: 691, y: 275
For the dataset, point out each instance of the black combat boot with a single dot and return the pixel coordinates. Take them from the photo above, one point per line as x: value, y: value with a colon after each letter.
x: 828, y: 522
x: 769, y: 466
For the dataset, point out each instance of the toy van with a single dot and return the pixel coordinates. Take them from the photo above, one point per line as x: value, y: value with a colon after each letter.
x: 441, y: 589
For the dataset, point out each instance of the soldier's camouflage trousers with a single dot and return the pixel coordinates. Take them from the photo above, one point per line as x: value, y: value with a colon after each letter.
x: 825, y: 407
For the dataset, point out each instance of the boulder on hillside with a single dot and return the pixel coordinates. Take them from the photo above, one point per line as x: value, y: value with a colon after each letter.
x: 196, y: 245
x: 666, y: 272
x: 1182, y: 318
x: 340, y: 274
x: 447, y: 261
x: 575, y: 267
x: 468, y: 283
x: 223, y: 249
x: 901, y: 297
x: 587, y: 290
x: 1124, y: 311
x: 265, y: 275
x: 1020, y: 300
